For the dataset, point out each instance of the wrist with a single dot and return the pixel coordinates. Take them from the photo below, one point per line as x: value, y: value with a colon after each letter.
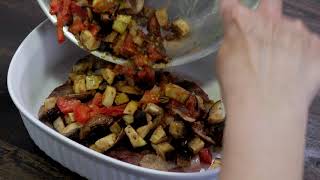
x: 260, y: 131
x: 266, y: 105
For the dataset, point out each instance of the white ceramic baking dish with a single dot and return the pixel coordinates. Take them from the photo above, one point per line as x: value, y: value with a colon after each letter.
x: 38, y: 66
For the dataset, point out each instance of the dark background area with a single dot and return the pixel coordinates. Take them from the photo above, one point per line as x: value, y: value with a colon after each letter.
x: 20, y: 158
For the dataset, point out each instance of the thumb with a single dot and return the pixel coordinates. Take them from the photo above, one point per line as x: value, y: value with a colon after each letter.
x: 272, y: 8
x: 235, y: 16
x: 226, y: 7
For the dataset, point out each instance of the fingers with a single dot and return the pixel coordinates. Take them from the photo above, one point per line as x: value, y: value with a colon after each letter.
x: 237, y: 17
x: 226, y: 7
x: 272, y: 8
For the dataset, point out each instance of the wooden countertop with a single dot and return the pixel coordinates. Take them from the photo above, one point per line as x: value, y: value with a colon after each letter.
x: 20, y: 158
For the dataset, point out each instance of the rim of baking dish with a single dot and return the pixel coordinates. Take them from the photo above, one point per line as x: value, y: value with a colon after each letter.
x: 78, y: 147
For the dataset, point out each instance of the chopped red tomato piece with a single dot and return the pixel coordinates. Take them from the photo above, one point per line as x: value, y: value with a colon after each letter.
x: 104, y: 6
x: 67, y: 105
x: 155, y: 53
x: 60, y: 25
x: 77, y: 26
x: 154, y: 26
x: 205, y: 156
x: 55, y: 6
x: 147, y: 75
x: 60, y: 35
x: 128, y: 47
x: 66, y: 7
x: 82, y: 113
x: 94, y: 29
x: 97, y: 99
x: 125, y: 70
x: 151, y: 96
x: 140, y: 60
x: 95, y: 110
x: 78, y: 10
x: 191, y: 105
x: 63, y: 16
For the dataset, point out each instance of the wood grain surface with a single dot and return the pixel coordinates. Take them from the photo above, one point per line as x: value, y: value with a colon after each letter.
x: 20, y: 158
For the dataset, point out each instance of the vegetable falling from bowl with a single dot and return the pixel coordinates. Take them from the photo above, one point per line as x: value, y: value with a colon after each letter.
x: 125, y: 28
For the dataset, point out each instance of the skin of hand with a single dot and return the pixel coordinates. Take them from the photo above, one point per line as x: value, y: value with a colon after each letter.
x: 268, y: 68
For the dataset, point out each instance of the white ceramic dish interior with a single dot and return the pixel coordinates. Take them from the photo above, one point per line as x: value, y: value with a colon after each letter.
x: 202, y: 15
x: 40, y: 65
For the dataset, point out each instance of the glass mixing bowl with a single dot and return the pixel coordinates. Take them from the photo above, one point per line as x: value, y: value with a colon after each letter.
x: 204, y: 20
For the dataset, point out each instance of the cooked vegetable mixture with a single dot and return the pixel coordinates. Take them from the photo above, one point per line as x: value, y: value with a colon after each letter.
x: 125, y: 28
x: 141, y: 116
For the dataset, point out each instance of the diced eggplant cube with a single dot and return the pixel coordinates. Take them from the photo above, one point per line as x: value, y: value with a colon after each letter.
x: 196, y: 145
x: 108, y: 75
x: 162, y: 17
x: 111, y: 37
x: 109, y: 96
x: 153, y: 109
x: 177, y: 129
x: 82, y: 66
x: 129, y: 90
x: 79, y: 85
x: 50, y: 103
x: 107, y: 142
x: 168, y: 119
x: 158, y: 135
x: 121, y: 98
x: 143, y: 131
x: 121, y: 23
x: 88, y: 40
x: 115, y: 128
x: 71, y: 129
x: 176, y: 92
x: 95, y: 148
x: 138, y: 40
x: 124, y: 18
x: 162, y: 149
x: 129, y: 119
x: 135, y: 140
x: 182, y: 27
x: 59, y: 125
x: 69, y: 118
x: 217, y: 113
x: 131, y: 108
x: 93, y: 82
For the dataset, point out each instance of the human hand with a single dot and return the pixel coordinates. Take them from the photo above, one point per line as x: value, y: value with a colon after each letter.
x: 268, y: 67
x: 266, y: 56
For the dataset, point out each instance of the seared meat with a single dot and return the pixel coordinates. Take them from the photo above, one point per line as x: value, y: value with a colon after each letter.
x: 199, y: 129
x: 63, y: 90
x: 125, y: 155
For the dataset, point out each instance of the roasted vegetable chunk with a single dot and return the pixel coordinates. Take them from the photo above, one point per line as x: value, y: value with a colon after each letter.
x: 109, y: 96
x: 162, y: 149
x: 158, y: 136
x: 177, y: 93
x: 217, y: 113
x: 135, y: 139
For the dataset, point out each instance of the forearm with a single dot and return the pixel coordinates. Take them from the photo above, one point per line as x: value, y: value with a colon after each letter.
x: 265, y: 136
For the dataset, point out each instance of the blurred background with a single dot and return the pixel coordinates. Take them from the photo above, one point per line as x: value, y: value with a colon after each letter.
x: 19, y: 156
